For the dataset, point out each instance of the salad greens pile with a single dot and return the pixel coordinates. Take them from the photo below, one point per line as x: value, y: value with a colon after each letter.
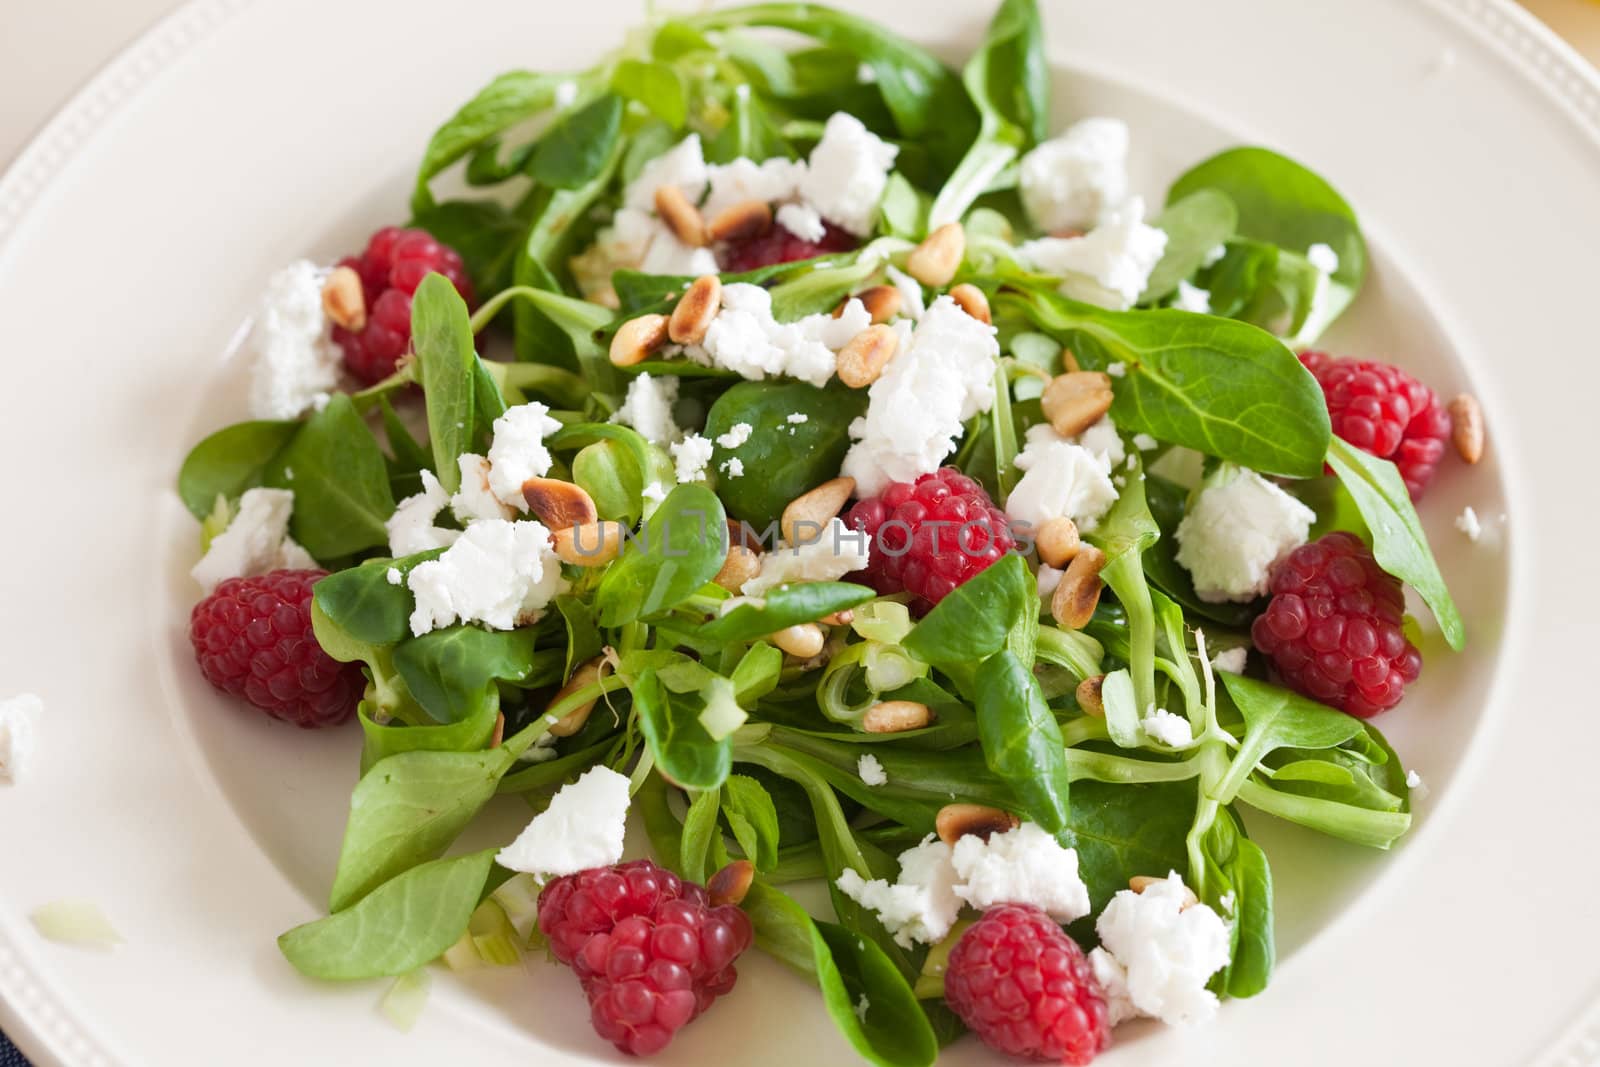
x: 734, y: 749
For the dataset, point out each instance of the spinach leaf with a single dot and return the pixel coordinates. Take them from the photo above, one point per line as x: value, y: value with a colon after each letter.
x: 1194, y: 226
x: 408, y: 808
x: 558, y: 770
x: 228, y: 462
x: 484, y: 232
x: 441, y: 334
x: 1237, y: 871
x: 753, y: 818
x: 904, y: 212
x: 584, y: 642
x: 700, y: 834
x: 1221, y: 387
x: 684, y: 752
x: 1021, y: 741
x: 658, y: 86
x: 409, y: 456
x: 681, y: 548
x: 749, y: 133
x: 781, y: 459
x: 509, y: 99
x: 451, y: 672
x: 470, y: 734
x: 1398, y: 543
x: 785, y: 606
x: 1277, y: 718
x: 400, y: 926
x: 1126, y: 829
x: 575, y: 150
x: 362, y: 602
x: 757, y: 674
x: 606, y: 472
x: 974, y: 622
x: 341, y: 487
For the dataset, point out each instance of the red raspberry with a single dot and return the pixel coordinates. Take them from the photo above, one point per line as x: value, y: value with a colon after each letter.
x: 778, y: 245
x: 650, y: 950
x: 391, y: 268
x: 1333, y: 627
x: 252, y: 638
x: 931, y: 535
x: 1381, y: 409
x: 1026, y: 988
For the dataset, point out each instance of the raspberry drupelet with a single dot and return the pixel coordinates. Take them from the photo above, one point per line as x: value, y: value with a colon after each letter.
x: 1384, y: 411
x: 391, y: 267
x: 1333, y: 627
x: 778, y: 245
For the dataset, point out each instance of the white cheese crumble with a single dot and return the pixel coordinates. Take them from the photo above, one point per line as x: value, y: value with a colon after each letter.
x: 1192, y: 298
x: 1232, y: 660
x: 475, y: 500
x: 871, y: 771
x: 861, y: 1008
x: 1070, y: 181
x: 296, y: 362
x: 941, y: 377
x: 582, y: 828
x: 690, y: 457
x: 1021, y: 866
x: 648, y: 408
x: 255, y: 542
x: 797, y: 419
x: 19, y: 726
x: 1169, y: 729
x: 394, y: 577
x: 518, y: 452
x: 802, y: 220
x: 771, y: 181
x: 1105, y: 442
x: 733, y: 467
x: 825, y: 555
x: 411, y: 528
x: 1414, y: 783
x: 847, y: 174
x: 1214, y: 255
x: 654, y: 492
x: 921, y: 906
x: 1323, y: 257
x: 1145, y: 443
x: 1467, y: 522
x: 911, y: 304
x: 1060, y: 480
x: 1049, y: 578
x: 737, y: 435
x: 1117, y: 369
x: 498, y: 573
x: 1239, y: 526
x: 1157, y: 955
x: 566, y: 94
x: 747, y: 339
x: 1108, y: 266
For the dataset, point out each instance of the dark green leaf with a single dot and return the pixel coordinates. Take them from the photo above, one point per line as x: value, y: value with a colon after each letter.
x: 680, y: 549
x: 509, y: 99
x: 658, y: 86
x: 340, y: 483
x: 575, y: 150
x: 753, y: 818
x: 1194, y: 226
x: 365, y: 604
x: 749, y: 133
x: 233, y: 459
x: 784, y: 606
x: 1021, y: 741
x: 1277, y: 718
x: 683, y: 751
x: 973, y: 622
x: 484, y: 232
x: 451, y: 672
x: 441, y: 334
x: 699, y: 834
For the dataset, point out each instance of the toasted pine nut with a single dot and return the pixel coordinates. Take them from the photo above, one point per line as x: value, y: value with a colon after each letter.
x: 883, y: 302
x: 499, y: 730
x: 1075, y: 401
x: 802, y: 641
x: 741, y: 565
x: 865, y: 355
x: 748, y: 218
x: 1089, y: 696
x: 1140, y: 882
x: 343, y: 300
x: 637, y: 338
x: 1072, y: 605
x: 840, y: 618
x: 970, y: 298
x: 589, y: 544
x: 1466, y: 427
x: 742, y: 533
x: 896, y: 716
x: 730, y: 884
x: 935, y: 261
x: 956, y: 821
x: 807, y: 515
x: 1057, y: 541
x: 586, y: 675
x: 681, y: 217
x: 696, y: 308
x: 559, y: 505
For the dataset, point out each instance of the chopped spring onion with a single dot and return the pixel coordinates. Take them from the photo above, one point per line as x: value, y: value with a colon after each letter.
x: 722, y: 714
x: 519, y: 898
x: 403, y: 1003
x: 76, y: 922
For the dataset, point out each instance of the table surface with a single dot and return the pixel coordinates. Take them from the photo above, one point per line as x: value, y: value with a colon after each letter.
x: 48, y: 51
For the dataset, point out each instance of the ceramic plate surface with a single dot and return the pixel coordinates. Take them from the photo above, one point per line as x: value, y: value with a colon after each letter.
x: 137, y: 231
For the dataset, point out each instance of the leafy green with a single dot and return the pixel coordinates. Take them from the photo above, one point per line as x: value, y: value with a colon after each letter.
x: 228, y: 462
x: 1194, y: 226
x: 749, y: 133
x: 974, y: 621
x: 1021, y: 742
x: 470, y: 734
x: 341, y: 487
x: 509, y: 99
x: 681, y: 548
x: 699, y: 836
x: 484, y: 232
x: 658, y: 86
x: 1277, y: 718
x: 365, y: 604
x: 575, y: 150
x: 1398, y: 543
x: 608, y: 474
x: 441, y: 334
x: 451, y: 671
x: 784, y: 606
x: 1127, y: 829
x: 682, y: 748
x: 753, y: 819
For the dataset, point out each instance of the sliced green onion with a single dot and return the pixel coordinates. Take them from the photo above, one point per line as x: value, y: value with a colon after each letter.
x: 403, y: 1003
x: 519, y: 899
x: 722, y: 714
x: 882, y: 620
x: 463, y: 955
x: 889, y: 667
x: 76, y: 922
x: 497, y: 950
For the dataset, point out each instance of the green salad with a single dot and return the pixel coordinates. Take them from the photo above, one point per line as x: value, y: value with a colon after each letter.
x: 824, y: 460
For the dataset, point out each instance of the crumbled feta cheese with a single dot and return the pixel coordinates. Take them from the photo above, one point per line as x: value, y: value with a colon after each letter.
x: 1227, y: 901
x: 921, y: 906
x: 1110, y: 265
x: 566, y: 93
x: 772, y: 181
x: 1169, y: 729
x: 870, y: 770
x: 747, y: 339
x: 1414, y: 783
x: 255, y: 542
x: 1069, y: 182
x: 1192, y: 298
x: 411, y: 528
x: 648, y: 408
x: 1021, y: 866
x: 737, y: 435
x: 733, y: 467
x: 654, y: 492
x: 1113, y: 982
x: 691, y: 456
x: 394, y: 577
x: 683, y: 165
x: 797, y: 419
x: 668, y: 255
x: 847, y: 174
x: 911, y: 305
x: 1049, y: 578
x: 1323, y: 257
x: 943, y: 376
x: 826, y: 556
x: 1214, y: 255
x: 498, y: 573
x: 1165, y: 952
x: 19, y: 724
x: 862, y: 1006
x: 1239, y: 526
x: 296, y: 362
x: 1144, y: 442
x: 802, y: 220
x: 475, y: 500
x: 1060, y: 480
x: 1232, y: 660
x: 1467, y: 522
x: 1103, y: 440
x: 518, y: 452
x: 1117, y: 369
x: 582, y: 828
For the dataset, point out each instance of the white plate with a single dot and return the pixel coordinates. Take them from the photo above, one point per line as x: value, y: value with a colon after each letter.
x: 134, y: 236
